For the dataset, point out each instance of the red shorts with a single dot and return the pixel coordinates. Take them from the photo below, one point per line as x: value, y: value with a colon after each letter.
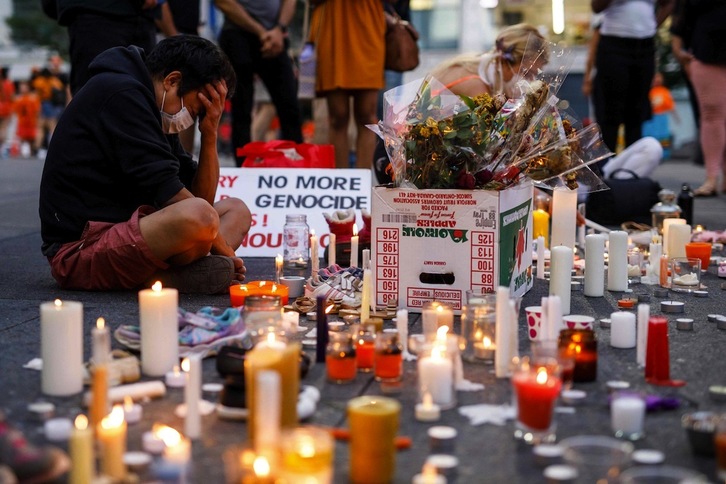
x: 108, y: 256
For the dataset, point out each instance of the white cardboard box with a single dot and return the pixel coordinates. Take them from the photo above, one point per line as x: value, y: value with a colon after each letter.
x: 437, y: 244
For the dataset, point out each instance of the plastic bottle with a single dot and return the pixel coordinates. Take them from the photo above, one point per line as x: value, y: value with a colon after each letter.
x: 296, y: 241
x: 685, y: 201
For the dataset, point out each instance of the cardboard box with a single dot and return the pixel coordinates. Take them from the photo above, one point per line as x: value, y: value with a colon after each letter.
x: 437, y: 244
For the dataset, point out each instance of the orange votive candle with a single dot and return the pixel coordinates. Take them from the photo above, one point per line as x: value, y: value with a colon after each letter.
x: 340, y: 369
x: 364, y: 354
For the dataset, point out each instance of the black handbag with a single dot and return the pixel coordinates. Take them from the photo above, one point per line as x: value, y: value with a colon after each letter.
x: 628, y: 200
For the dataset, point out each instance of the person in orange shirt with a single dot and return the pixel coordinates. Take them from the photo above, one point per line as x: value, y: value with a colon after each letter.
x: 7, y: 95
x: 662, y: 105
x: 27, y: 110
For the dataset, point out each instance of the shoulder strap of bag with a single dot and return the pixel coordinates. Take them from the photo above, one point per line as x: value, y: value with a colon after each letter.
x: 632, y: 174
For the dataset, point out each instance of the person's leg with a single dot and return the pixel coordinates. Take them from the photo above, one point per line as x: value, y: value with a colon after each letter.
x: 642, y: 158
x: 642, y: 70
x: 708, y: 80
x: 365, y: 103
x: 610, y: 83
x: 235, y: 220
x: 279, y: 78
x: 338, y: 116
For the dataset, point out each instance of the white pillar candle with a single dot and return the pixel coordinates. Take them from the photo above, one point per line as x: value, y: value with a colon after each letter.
x: 667, y: 223
x: 354, y: 247
x: 595, y: 265
x: 436, y: 374
x: 268, y: 405
x: 561, y: 263
x: 564, y: 217
x: 656, y: 250
x: 331, y: 249
x: 678, y: 237
x: 513, y: 329
x: 278, y: 268
x: 61, y: 347
x: 365, y: 305
x: 502, y: 358
x: 137, y: 391
x: 366, y: 259
x: 452, y: 349
x: 429, y: 321
x: 192, y: 366
x: 314, y: 253
x: 642, y: 336
x: 554, y: 317
x: 402, y: 327
x: 159, y: 329
x: 101, y: 343
x: 617, y: 260
x: 622, y: 330
x: 444, y: 317
x: 540, y: 257
x: 627, y: 415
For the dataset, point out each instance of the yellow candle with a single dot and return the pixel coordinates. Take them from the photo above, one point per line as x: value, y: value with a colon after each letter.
x: 80, y: 447
x: 283, y: 359
x: 278, y: 268
x: 307, y: 456
x: 99, y: 395
x: 541, y: 225
x: 354, y: 247
x: 373, y: 424
x: 112, y: 440
x: 365, y: 306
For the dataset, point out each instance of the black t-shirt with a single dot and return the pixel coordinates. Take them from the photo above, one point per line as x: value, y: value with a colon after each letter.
x: 702, y: 26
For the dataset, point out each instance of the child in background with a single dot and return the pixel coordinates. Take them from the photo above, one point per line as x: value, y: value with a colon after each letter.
x: 27, y: 109
x: 662, y: 105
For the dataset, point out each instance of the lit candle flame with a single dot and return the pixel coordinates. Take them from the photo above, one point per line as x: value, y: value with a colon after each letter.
x: 58, y: 303
x: 306, y: 448
x: 261, y: 466
x: 428, y: 400
x: 355, y: 230
x: 271, y: 338
x: 541, y: 376
x: 156, y: 287
x: 441, y: 333
x: 81, y: 422
x: 487, y: 342
x: 186, y: 366
x: 128, y: 403
x: 114, y: 419
x: 329, y: 308
x: 100, y: 323
x: 176, y: 370
x: 170, y: 436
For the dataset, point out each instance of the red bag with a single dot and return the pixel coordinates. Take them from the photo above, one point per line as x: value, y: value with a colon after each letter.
x: 286, y: 154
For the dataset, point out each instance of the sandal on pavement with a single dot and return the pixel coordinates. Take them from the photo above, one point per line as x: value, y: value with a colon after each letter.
x: 212, y: 274
x: 708, y: 189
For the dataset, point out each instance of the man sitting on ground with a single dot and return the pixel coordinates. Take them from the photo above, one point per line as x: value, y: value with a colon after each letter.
x: 121, y: 203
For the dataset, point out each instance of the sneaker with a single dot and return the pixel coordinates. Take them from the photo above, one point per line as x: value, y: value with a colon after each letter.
x: 30, y: 464
x: 212, y: 274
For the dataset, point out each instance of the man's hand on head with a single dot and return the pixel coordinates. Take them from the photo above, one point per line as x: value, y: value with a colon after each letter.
x: 212, y: 97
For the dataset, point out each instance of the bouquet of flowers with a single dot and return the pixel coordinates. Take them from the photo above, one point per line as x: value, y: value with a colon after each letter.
x: 436, y: 139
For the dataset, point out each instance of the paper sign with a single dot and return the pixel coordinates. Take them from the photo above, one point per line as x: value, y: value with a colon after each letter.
x: 273, y: 193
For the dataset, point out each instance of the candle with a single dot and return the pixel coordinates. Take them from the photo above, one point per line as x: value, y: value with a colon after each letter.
x: 373, y: 424
x: 321, y: 339
x: 428, y: 475
x: 679, y: 235
x: 285, y: 361
x: 137, y: 391
x: 112, y: 439
x: 667, y: 224
x: 314, y: 253
x: 132, y: 411
x: 158, y: 317
x: 278, y: 268
x: 99, y: 384
x: 61, y: 347
x: 365, y: 349
x: 627, y: 412
x: 331, y: 249
x: 340, y: 360
x: 307, y: 456
x: 436, y: 375
x: 402, y: 326
x: 656, y: 250
x: 552, y: 317
x: 536, y: 392
x: 427, y: 410
x: 663, y: 273
x: 80, y: 447
x: 562, y: 260
x: 581, y: 345
x: 594, y: 265
x: 541, y: 226
x: 58, y: 429
x: 365, y: 305
x: 175, y: 378
x: 617, y: 260
x: 192, y: 366
x: 540, y: 257
x: 564, y: 217
x: 672, y: 306
x: 239, y: 292
x: 657, y: 353
x: 354, y: 247
x: 503, y: 356
x: 622, y: 330
x: 267, y: 420
x: 176, y: 457
x: 484, y: 349
x: 642, y: 336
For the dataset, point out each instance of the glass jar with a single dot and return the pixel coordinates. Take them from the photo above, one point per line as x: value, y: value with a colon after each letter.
x: 582, y: 344
x: 365, y: 341
x: 664, y: 209
x: 436, y: 382
x: 340, y: 361
x: 388, y: 361
x: 296, y: 241
x: 262, y: 312
x: 478, y: 324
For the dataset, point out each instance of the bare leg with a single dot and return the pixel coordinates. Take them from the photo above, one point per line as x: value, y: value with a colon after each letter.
x: 365, y: 104
x: 235, y: 220
x: 338, y: 117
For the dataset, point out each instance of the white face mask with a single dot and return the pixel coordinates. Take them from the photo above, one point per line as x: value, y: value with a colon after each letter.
x: 175, y: 123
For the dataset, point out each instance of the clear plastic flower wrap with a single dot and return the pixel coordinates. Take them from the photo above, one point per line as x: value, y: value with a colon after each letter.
x: 437, y: 139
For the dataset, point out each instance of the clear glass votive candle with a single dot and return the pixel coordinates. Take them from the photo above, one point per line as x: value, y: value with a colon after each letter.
x: 388, y: 360
x: 537, y: 384
x: 307, y: 455
x: 478, y: 326
x: 627, y: 414
x: 685, y: 274
x: 340, y: 357
x: 436, y: 375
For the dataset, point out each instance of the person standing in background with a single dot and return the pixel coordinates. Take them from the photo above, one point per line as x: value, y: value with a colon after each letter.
x: 701, y: 25
x: 254, y: 37
x: 625, y: 63
x: 27, y: 110
x: 7, y: 96
x: 350, y: 40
